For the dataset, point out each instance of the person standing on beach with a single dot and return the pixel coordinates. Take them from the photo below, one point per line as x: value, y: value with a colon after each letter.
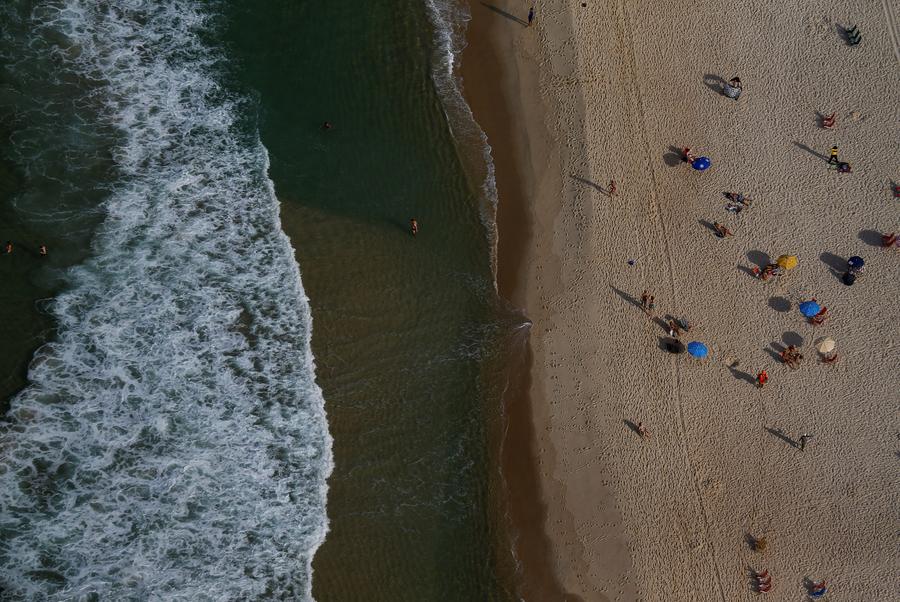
x: 612, y: 188
x: 761, y: 379
x: 833, y: 159
x: 530, y: 16
x: 642, y: 431
x: 413, y: 226
x: 803, y: 439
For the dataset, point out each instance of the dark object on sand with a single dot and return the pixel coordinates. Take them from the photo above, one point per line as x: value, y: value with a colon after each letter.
x: 848, y: 278
x: 673, y: 345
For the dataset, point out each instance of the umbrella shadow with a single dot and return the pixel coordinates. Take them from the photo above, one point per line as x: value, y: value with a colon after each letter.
x: 780, y: 304
x: 810, y: 151
x: 714, y: 83
x: 503, y: 13
x: 673, y: 157
x: 792, y: 338
x: 671, y: 345
x: 627, y: 297
x: 741, y: 375
x: 870, y: 237
x: 836, y: 265
x: 780, y: 434
x: 594, y: 185
x: 758, y: 258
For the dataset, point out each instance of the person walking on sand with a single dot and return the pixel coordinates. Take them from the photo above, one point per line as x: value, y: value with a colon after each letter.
x: 761, y: 379
x: 530, y: 16
x: 803, y: 439
x: 645, y: 299
x: 413, y: 226
x: 833, y: 159
x: 43, y: 250
x: 9, y: 247
x: 612, y: 188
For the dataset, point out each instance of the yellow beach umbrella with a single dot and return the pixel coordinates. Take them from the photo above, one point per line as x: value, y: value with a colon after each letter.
x: 788, y: 262
x: 825, y: 345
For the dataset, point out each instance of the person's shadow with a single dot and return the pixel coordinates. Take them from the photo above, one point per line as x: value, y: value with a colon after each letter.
x: 810, y: 151
x: 627, y: 297
x: 502, y: 12
x: 780, y: 434
x: 632, y: 426
x: 594, y: 185
x: 741, y: 375
x: 714, y: 83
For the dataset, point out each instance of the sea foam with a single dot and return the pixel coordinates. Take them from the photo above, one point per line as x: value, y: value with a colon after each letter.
x: 172, y: 443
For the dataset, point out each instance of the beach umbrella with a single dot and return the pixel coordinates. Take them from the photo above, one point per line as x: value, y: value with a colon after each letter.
x: 788, y: 262
x: 701, y: 163
x: 697, y: 349
x: 825, y: 345
x: 856, y: 262
x: 809, y: 308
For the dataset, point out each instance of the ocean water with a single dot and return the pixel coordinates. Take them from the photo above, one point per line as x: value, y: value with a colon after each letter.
x: 171, y: 440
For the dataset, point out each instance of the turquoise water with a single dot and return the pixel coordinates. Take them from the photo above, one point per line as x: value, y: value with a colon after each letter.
x: 171, y: 442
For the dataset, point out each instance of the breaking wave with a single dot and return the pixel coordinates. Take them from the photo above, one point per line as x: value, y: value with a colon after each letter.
x: 172, y: 443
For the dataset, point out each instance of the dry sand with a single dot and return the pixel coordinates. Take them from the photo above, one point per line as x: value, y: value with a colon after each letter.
x: 617, y: 86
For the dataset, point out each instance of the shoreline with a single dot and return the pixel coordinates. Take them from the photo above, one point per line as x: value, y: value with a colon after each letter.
x: 505, y: 88
x: 488, y: 92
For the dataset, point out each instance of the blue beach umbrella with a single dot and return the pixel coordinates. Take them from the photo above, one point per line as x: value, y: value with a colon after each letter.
x: 701, y: 163
x: 856, y: 262
x: 697, y: 349
x: 809, y: 308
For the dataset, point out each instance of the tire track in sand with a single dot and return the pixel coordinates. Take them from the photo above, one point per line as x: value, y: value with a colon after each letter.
x: 637, y: 103
x: 891, y: 21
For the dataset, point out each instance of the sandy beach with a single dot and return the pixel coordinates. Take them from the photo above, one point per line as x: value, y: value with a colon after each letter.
x: 612, y: 91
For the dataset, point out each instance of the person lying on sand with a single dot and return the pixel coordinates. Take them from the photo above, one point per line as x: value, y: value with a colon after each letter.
x: 721, y: 230
x: 819, y: 318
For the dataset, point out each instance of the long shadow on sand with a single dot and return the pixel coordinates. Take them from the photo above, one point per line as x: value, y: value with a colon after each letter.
x: 741, y: 375
x: 503, y: 13
x: 627, y: 297
x: 780, y: 434
x: 594, y: 185
x: 810, y: 151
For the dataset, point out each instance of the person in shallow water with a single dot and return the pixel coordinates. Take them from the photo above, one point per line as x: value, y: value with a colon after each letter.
x: 9, y: 247
x: 326, y: 125
x: 43, y: 250
x: 413, y: 226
